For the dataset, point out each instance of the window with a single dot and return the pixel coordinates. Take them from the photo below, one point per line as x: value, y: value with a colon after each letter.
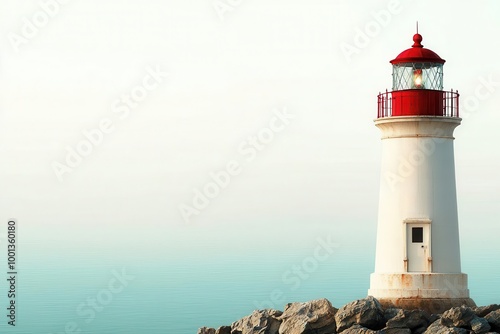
x: 417, y: 234
x: 417, y: 76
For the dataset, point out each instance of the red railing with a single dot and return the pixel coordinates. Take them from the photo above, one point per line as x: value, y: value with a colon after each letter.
x: 418, y: 102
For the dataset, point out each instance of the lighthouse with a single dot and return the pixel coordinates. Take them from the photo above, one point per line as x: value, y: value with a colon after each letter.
x: 417, y: 259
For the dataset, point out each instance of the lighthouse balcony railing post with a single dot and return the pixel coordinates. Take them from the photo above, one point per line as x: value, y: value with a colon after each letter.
x: 424, y: 103
x: 450, y: 103
x: 384, y: 104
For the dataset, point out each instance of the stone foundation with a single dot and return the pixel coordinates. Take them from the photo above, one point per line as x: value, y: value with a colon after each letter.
x: 433, y: 292
x: 431, y: 305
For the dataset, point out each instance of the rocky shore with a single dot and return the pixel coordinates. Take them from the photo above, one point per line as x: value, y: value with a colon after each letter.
x: 364, y: 316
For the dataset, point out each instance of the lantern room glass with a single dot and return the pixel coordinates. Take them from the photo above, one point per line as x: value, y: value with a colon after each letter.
x: 417, y: 76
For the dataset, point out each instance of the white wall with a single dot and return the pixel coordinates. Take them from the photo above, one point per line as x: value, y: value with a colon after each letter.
x: 417, y: 181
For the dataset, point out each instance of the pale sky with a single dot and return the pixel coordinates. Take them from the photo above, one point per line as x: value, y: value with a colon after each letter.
x: 230, y: 71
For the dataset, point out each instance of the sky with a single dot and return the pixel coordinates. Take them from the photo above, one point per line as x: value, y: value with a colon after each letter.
x: 185, y: 130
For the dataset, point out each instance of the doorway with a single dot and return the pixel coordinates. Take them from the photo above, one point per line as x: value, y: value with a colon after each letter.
x: 418, y: 254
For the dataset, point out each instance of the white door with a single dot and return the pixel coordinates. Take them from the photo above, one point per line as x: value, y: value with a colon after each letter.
x: 417, y: 242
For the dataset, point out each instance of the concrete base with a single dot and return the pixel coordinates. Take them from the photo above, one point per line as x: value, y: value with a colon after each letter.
x: 433, y: 292
x: 431, y: 305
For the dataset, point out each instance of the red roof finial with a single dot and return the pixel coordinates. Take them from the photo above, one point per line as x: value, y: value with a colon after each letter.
x: 417, y: 39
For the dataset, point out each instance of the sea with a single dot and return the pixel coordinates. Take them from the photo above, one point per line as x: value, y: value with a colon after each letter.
x: 126, y: 293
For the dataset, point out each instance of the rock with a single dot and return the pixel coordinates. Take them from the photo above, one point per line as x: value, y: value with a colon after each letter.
x: 411, y: 319
x: 419, y: 330
x: 364, y: 316
x: 458, y: 317
x: 457, y: 330
x: 365, y: 312
x: 390, y: 313
x: 259, y: 322
x: 434, y: 317
x: 480, y: 325
x: 394, y: 331
x: 437, y: 328
x: 317, y: 316
x: 482, y: 311
x: 223, y: 330
x: 357, y: 329
x: 494, y: 319
x: 434, y: 327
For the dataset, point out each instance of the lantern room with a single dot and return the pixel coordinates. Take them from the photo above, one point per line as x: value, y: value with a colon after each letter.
x: 417, y: 85
x: 417, y: 68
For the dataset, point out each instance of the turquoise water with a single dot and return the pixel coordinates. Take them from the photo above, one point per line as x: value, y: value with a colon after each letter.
x: 177, y: 293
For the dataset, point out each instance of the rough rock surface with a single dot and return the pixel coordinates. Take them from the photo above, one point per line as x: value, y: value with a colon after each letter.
x: 365, y: 312
x: 437, y: 328
x: 394, y: 331
x: 482, y: 311
x: 223, y: 330
x: 412, y: 319
x: 357, y: 329
x: 480, y: 325
x: 317, y: 316
x: 206, y: 330
x: 458, y: 317
x: 390, y: 313
x: 494, y: 319
x: 259, y: 322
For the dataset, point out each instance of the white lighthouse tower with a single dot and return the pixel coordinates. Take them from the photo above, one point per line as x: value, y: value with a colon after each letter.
x: 418, y: 252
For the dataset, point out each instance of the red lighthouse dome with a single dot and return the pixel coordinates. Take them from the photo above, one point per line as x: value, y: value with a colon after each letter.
x: 417, y: 85
x: 417, y: 53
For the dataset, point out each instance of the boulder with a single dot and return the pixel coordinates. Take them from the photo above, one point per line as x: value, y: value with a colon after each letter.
x: 390, y: 313
x: 458, y: 317
x: 482, y: 311
x: 411, y: 319
x: 259, y: 322
x: 317, y: 316
x: 480, y: 325
x: 394, y: 331
x: 206, y: 330
x: 494, y: 320
x: 365, y: 312
x: 357, y: 329
x: 419, y: 330
x: 223, y: 330
x: 434, y: 317
x: 437, y: 328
